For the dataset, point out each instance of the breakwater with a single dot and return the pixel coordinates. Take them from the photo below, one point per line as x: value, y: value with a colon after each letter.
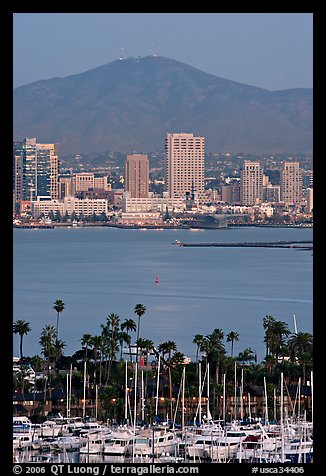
x: 303, y: 244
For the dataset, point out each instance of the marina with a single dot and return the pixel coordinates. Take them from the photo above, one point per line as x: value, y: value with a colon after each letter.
x: 210, y: 442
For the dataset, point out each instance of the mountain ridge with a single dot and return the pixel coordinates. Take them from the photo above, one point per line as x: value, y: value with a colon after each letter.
x: 129, y: 105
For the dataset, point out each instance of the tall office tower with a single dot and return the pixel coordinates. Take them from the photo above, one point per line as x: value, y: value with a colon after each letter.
x: 184, y: 166
x: 137, y: 175
x: 40, y: 170
x: 47, y: 182
x: 251, y: 188
x: 29, y: 169
x: 291, y: 183
x: 17, y: 170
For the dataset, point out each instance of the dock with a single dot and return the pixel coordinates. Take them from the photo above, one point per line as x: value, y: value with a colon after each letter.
x: 303, y: 244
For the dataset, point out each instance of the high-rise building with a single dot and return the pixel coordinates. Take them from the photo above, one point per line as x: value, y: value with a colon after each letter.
x: 137, y: 175
x: 291, y: 183
x: 251, y: 185
x: 47, y: 160
x: 37, y: 167
x: 184, y: 166
x: 17, y: 170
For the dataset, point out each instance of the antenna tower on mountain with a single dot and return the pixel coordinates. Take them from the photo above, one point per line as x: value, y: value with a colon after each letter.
x: 122, y: 56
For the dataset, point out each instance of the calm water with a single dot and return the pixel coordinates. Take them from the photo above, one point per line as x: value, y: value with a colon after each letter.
x: 101, y: 271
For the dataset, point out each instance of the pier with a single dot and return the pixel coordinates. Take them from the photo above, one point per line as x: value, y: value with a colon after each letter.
x: 307, y: 244
x: 34, y: 226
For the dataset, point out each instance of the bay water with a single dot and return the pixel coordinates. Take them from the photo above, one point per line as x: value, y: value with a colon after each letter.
x: 97, y: 271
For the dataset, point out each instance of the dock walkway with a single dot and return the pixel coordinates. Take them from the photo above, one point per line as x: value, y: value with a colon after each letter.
x: 261, y: 244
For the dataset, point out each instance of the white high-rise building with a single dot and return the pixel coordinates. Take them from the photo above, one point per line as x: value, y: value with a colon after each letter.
x: 184, y: 166
x: 291, y: 183
x: 251, y: 187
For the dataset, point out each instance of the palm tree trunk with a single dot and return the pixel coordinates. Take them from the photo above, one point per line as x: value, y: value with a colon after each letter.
x: 21, y: 348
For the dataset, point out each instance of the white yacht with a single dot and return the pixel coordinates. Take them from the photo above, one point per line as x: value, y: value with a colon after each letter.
x: 160, y: 442
x: 120, y: 445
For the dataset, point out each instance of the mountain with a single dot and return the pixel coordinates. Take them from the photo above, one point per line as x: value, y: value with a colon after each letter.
x: 129, y: 105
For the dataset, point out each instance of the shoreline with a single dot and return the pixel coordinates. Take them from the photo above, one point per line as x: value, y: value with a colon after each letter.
x: 36, y: 226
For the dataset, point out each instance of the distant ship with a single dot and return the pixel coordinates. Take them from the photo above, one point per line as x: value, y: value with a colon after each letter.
x: 156, y: 279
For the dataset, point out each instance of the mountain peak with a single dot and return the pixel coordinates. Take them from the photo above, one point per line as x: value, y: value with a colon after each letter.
x: 130, y: 104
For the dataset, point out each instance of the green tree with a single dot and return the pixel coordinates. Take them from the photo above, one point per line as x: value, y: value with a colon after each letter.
x: 140, y: 310
x: 86, y: 341
x: 280, y: 331
x: 47, y: 343
x: 232, y: 337
x: 129, y: 325
x: 21, y: 328
x: 198, y: 339
x: 167, y: 348
x: 268, y: 323
x: 59, y: 307
x: 301, y: 350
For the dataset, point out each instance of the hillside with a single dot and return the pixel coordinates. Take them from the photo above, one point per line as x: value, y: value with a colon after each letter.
x: 129, y: 105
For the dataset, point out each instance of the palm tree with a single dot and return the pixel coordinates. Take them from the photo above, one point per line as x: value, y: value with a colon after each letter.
x: 47, y: 343
x: 129, y: 325
x: 279, y: 331
x: 205, y: 347
x: 217, y: 348
x: 232, y: 337
x: 247, y: 355
x: 167, y: 348
x: 198, y: 339
x: 59, y: 307
x: 22, y: 328
x: 86, y: 341
x: 301, y: 345
x: 140, y: 310
x: 268, y: 323
x: 96, y: 344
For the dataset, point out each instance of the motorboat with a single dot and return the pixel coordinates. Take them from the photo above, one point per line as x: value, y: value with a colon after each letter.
x: 157, y: 442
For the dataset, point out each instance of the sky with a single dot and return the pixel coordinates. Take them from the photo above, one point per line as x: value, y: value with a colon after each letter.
x: 268, y: 50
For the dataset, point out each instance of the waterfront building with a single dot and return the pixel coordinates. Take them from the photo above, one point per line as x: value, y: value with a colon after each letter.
x: 36, y: 169
x: 136, y: 180
x: 291, y: 183
x: 251, y: 188
x: 70, y: 205
x: 85, y: 206
x: 152, y: 203
x: 184, y: 166
x: 42, y: 207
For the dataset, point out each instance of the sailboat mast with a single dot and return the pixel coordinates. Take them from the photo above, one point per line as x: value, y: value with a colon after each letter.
x: 208, y: 411
x: 183, y: 399
x: 126, y: 391
x: 84, y: 396
x: 199, y: 393
x: 157, y: 384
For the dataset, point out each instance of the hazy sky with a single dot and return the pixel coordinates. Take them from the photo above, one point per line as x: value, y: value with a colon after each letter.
x: 269, y: 50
